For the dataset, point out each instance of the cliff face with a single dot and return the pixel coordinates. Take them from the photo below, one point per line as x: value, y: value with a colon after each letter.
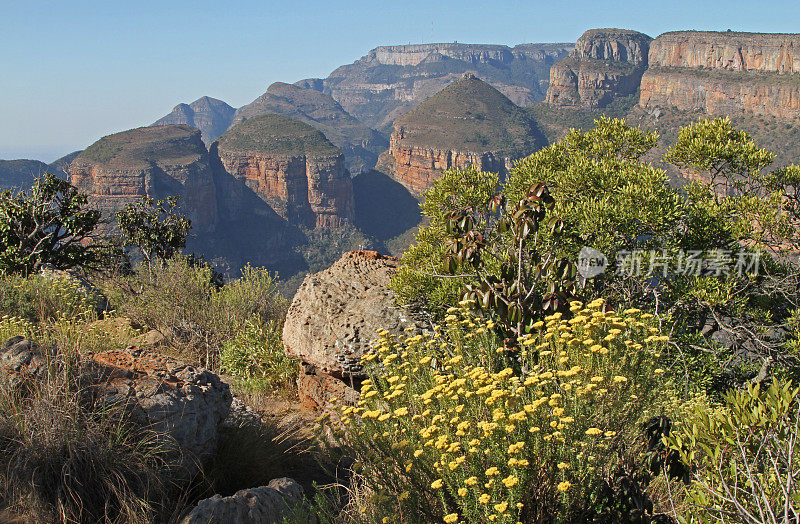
x: 417, y: 167
x: 468, y: 123
x: 724, y: 73
x: 291, y: 167
x: 391, y: 80
x: 211, y: 116
x: 360, y: 144
x: 605, y: 64
x: 149, y: 161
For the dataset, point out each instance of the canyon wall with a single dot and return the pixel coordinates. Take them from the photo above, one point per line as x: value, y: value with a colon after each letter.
x: 605, y: 64
x: 150, y: 161
x: 292, y: 167
x: 724, y: 73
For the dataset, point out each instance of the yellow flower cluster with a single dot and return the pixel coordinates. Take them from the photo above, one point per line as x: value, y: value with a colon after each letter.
x: 450, y: 413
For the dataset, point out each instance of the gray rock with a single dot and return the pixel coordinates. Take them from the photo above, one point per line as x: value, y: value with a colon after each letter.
x: 281, y: 499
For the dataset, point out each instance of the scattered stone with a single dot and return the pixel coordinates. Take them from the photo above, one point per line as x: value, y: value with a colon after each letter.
x: 281, y: 499
x: 21, y: 360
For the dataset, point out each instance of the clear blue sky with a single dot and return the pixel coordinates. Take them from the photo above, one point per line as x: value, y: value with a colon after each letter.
x: 73, y: 71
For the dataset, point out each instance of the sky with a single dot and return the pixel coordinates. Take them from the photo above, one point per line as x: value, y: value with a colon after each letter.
x: 74, y: 71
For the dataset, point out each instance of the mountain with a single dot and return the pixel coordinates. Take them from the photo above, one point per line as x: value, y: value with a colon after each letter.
x: 605, y: 65
x: 391, y: 80
x: 467, y: 123
x: 20, y: 174
x: 211, y: 116
x: 292, y: 167
x: 360, y: 144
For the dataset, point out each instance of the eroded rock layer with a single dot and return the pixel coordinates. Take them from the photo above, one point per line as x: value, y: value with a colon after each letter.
x: 467, y: 123
x: 292, y: 167
x: 149, y: 161
x: 724, y: 73
x: 605, y: 64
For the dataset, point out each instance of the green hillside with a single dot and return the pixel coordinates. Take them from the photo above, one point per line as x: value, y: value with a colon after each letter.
x: 277, y: 134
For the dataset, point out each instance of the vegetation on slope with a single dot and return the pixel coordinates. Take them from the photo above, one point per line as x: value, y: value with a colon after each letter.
x: 277, y: 135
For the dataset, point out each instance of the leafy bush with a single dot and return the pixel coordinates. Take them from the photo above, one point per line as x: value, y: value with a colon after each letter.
x: 446, y: 431
x: 183, y: 301
x: 256, y: 356
x: 745, y: 455
x: 154, y: 227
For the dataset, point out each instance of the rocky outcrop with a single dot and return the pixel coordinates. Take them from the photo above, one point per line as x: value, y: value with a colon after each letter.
x: 333, y: 319
x: 605, y: 64
x: 292, y: 167
x: 149, y: 161
x: 417, y: 167
x: 276, y: 502
x: 183, y: 405
x: 724, y: 73
x: 188, y: 405
x: 211, y: 116
x: 467, y: 123
x: 391, y: 80
x: 359, y: 144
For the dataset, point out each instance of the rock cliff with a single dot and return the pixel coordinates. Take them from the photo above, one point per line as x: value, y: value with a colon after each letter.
x: 292, y: 167
x: 467, y: 123
x: 605, y: 64
x: 724, y: 73
x: 211, y: 116
x: 360, y: 144
x: 149, y: 161
x: 391, y: 80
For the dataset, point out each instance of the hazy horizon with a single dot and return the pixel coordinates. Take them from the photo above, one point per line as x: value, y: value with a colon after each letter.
x: 73, y: 74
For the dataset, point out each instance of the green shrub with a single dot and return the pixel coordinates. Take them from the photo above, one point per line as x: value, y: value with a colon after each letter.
x: 745, y: 456
x: 256, y: 356
x: 445, y: 431
x: 42, y: 299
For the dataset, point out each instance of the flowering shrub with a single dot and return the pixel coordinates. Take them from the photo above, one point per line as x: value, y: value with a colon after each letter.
x: 446, y: 430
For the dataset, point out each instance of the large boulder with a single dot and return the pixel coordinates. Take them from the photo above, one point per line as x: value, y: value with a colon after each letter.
x: 21, y: 360
x: 186, y: 404
x: 276, y: 502
x: 334, y: 318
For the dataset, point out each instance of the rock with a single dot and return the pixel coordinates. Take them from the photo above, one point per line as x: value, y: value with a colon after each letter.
x: 21, y: 360
x: 292, y: 167
x: 333, y: 319
x: 391, y: 80
x: 281, y: 499
x: 606, y: 64
x: 172, y: 398
x: 211, y: 116
x: 724, y: 73
x: 469, y: 123
x: 169, y: 160
x: 81, y: 285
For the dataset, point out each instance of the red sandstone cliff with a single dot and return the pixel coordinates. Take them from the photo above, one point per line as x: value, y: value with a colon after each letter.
x: 149, y: 161
x: 467, y: 123
x: 292, y: 167
x: 604, y: 65
x: 724, y: 73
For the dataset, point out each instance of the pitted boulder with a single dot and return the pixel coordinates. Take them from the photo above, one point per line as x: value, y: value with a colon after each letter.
x: 279, y: 501
x: 334, y: 319
x: 170, y: 397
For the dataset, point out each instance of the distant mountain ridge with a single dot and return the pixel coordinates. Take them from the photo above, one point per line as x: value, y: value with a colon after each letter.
x: 211, y: 116
x: 391, y: 80
x: 20, y: 174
